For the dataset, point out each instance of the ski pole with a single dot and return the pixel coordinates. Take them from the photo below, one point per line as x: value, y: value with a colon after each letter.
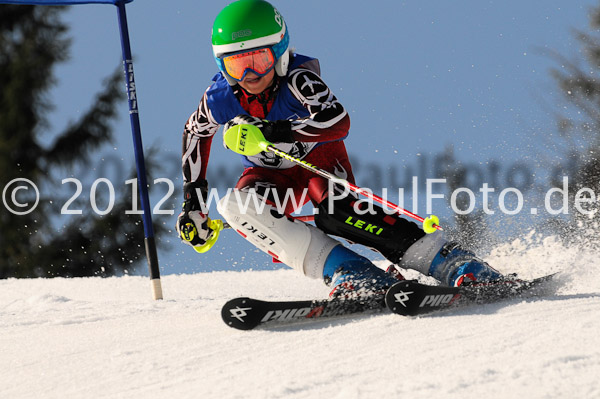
x: 248, y: 140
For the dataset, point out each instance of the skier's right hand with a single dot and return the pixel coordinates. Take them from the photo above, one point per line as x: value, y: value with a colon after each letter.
x: 193, y: 226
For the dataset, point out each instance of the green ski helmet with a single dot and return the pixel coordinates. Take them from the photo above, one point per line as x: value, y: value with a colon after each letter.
x: 247, y: 24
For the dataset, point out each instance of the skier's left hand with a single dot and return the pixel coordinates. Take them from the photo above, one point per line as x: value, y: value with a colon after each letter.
x: 274, y: 131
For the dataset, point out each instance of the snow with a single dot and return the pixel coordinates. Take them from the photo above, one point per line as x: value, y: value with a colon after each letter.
x: 106, y: 338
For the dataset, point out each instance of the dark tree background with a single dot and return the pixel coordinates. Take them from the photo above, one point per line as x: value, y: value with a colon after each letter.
x: 579, y: 131
x: 33, y: 40
x: 578, y: 127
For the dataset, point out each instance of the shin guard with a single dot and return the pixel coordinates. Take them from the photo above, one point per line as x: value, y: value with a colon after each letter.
x: 390, y: 234
x: 302, y: 247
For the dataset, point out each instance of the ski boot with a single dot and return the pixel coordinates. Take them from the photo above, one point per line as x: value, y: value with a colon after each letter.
x: 352, y: 275
x: 455, y: 266
x: 448, y: 262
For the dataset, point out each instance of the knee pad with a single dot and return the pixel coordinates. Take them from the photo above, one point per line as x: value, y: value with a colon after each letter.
x: 302, y: 247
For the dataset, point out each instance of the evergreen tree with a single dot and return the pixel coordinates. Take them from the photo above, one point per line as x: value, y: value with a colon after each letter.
x: 33, y: 40
x: 579, y: 127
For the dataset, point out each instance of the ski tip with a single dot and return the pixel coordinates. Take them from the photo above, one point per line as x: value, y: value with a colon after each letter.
x: 237, y: 313
x: 403, y: 298
x: 396, y: 297
x: 410, y: 298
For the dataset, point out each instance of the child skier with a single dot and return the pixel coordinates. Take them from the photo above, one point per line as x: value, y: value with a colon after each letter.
x: 264, y: 83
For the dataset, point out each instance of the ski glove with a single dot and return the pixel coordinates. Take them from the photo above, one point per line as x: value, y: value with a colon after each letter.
x: 192, y: 225
x: 274, y: 131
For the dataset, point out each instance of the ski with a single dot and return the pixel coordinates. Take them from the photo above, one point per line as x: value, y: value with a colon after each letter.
x: 410, y: 298
x: 407, y: 298
x: 247, y: 313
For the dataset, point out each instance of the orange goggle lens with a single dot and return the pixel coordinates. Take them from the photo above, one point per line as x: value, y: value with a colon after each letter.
x: 259, y: 61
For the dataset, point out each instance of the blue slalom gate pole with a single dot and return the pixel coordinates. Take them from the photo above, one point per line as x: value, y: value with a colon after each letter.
x: 149, y: 241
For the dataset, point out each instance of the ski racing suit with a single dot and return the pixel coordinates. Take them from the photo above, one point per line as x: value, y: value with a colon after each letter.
x: 319, y: 125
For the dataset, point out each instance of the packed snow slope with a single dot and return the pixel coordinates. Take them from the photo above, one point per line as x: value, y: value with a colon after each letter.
x: 105, y: 338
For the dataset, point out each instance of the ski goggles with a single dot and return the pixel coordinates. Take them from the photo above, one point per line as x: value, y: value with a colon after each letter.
x: 260, y: 61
